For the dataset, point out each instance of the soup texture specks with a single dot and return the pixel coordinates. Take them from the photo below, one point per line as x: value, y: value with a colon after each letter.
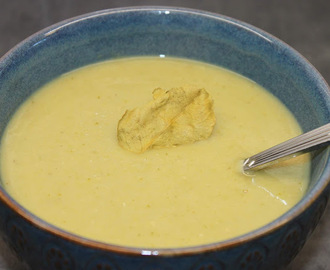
x: 61, y: 160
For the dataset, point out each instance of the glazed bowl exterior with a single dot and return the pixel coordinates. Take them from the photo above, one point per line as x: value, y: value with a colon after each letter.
x: 176, y: 32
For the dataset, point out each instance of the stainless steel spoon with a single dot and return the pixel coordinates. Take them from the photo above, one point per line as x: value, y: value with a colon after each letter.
x: 306, y: 142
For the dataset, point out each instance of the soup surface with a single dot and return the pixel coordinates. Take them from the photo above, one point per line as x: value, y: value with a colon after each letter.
x: 61, y: 160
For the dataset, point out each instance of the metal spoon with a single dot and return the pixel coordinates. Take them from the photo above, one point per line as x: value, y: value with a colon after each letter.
x: 306, y: 142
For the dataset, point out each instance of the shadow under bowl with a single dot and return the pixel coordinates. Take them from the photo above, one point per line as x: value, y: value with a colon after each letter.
x: 175, y: 32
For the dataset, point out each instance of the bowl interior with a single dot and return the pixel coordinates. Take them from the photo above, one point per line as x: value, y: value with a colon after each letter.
x: 171, y: 32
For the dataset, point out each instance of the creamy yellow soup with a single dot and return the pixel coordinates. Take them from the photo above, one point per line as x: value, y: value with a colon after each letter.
x: 61, y: 160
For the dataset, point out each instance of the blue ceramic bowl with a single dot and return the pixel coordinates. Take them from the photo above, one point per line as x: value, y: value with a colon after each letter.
x: 175, y: 32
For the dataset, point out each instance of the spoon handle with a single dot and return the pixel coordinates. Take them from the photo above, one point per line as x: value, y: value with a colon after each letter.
x: 306, y: 142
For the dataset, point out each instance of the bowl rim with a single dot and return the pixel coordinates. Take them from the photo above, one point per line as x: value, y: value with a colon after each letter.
x: 291, y: 214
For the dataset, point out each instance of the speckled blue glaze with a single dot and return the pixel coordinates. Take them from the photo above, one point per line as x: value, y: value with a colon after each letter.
x: 183, y: 33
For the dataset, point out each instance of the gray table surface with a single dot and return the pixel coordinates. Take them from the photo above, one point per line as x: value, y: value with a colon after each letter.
x: 303, y: 24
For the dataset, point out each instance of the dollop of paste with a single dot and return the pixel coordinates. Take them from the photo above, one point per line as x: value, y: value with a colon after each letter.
x: 174, y: 117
